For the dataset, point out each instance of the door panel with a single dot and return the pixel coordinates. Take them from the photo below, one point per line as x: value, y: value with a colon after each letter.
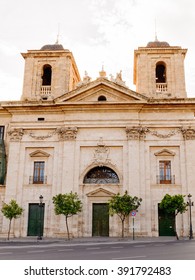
x: 35, y: 219
x: 100, y: 223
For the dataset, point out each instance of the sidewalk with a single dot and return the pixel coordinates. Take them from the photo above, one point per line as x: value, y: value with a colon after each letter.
x: 90, y: 240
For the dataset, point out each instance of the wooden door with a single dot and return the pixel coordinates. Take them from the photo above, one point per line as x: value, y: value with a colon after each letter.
x: 35, y: 219
x: 100, y: 223
x: 166, y: 223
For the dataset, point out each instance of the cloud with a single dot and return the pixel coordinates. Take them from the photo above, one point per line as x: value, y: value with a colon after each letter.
x: 112, y: 18
x: 96, y: 31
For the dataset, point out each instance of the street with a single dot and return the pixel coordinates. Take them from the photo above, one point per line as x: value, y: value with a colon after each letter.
x: 171, y: 250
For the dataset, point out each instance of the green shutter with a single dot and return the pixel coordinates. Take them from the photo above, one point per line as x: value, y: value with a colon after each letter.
x: 2, y: 162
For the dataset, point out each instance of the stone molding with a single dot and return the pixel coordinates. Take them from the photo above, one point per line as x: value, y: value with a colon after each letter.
x: 64, y: 133
x: 39, y: 153
x: 139, y: 133
x: 164, y: 152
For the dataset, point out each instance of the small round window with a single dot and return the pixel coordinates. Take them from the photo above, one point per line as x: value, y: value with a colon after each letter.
x: 102, y: 98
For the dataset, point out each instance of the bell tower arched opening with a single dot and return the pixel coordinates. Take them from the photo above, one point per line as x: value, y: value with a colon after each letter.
x: 161, y: 79
x: 46, y: 81
x: 160, y: 72
x: 47, y: 74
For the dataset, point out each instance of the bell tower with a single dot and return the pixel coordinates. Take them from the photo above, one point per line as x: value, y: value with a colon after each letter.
x: 49, y: 73
x: 159, y: 70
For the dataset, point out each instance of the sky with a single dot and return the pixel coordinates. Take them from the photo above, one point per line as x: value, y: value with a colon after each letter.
x: 97, y: 32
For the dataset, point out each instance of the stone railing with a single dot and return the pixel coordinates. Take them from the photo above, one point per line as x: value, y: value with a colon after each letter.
x: 161, y: 87
x: 45, y: 91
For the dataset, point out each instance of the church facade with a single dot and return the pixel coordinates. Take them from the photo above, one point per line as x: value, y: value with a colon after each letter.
x: 98, y: 138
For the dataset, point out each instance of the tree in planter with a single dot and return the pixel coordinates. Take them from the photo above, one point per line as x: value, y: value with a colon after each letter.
x: 11, y: 211
x: 174, y: 205
x: 68, y: 205
x: 123, y: 205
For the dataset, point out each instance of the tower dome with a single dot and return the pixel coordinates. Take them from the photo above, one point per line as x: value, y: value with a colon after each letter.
x: 52, y: 47
x: 157, y: 44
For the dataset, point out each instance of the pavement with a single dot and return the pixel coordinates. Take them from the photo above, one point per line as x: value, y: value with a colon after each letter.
x: 89, y: 240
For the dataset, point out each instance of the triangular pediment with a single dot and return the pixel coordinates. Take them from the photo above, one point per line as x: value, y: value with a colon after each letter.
x: 100, y: 192
x: 101, y: 90
x: 165, y: 152
x: 39, y: 153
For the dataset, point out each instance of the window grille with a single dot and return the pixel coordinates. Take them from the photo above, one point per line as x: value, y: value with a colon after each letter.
x: 101, y: 175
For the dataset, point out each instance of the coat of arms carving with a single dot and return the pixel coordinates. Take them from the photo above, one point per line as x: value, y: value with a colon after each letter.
x: 101, y: 153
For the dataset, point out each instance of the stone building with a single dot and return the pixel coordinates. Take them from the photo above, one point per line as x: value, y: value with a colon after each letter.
x: 98, y: 138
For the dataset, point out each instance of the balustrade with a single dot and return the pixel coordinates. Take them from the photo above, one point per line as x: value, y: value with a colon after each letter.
x: 161, y: 87
x: 46, y: 91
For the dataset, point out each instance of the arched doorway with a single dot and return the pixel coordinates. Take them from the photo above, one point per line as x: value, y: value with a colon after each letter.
x: 100, y: 175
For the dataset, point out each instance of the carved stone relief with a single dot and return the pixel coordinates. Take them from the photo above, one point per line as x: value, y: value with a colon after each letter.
x: 188, y: 133
x: 42, y: 137
x: 139, y: 133
x: 161, y: 135
x: 101, y: 153
x: 136, y: 133
x: 67, y: 133
x: 16, y: 134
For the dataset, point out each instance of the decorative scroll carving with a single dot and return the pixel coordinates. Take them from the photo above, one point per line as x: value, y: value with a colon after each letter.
x: 16, y: 134
x: 160, y: 135
x: 188, y: 133
x: 101, y: 153
x: 67, y: 133
x: 136, y: 132
x: 139, y: 133
x: 42, y: 137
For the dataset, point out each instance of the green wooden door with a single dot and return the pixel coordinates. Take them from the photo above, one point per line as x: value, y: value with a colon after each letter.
x: 100, y: 223
x: 35, y: 219
x: 165, y: 223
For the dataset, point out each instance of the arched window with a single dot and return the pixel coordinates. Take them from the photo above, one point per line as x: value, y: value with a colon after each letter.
x: 102, y: 98
x: 47, y: 72
x: 160, y: 72
x: 101, y: 175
